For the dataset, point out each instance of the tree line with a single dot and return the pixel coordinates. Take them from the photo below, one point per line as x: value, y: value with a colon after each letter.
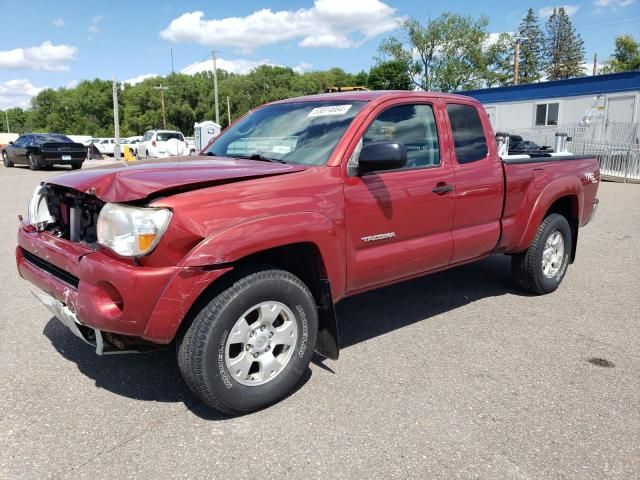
x: 450, y: 53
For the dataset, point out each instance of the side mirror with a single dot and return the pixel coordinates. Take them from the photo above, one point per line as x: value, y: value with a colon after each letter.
x: 382, y: 155
x: 10, y: 143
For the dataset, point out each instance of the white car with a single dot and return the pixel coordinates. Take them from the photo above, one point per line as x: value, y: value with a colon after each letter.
x: 105, y: 145
x: 162, y: 143
x: 191, y: 142
x: 132, y: 142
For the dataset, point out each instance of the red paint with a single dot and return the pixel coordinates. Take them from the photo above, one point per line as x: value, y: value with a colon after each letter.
x: 226, y: 209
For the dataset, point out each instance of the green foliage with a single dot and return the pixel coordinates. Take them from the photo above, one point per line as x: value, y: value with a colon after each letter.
x: 626, y: 57
x: 391, y: 75
x: 531, y: 57
x: 564, y: 47
x: 447, y: 53
x: 88, y: 108
x: 500, y: 61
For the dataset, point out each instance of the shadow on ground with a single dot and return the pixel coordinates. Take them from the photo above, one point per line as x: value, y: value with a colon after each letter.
x: 155, y: 376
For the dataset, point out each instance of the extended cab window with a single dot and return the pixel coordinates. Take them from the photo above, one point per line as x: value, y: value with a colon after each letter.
x: 413, y: 125
x: 468, y: 134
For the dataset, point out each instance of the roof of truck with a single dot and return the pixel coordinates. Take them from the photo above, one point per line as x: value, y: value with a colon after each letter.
x: 369, y: 95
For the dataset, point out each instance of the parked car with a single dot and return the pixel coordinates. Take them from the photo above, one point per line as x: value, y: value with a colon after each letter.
x: 191, y: 145
x: 105, y: 145
x: 238, y: 257
x: 41, y: 150
x: 133, y: 142
x: 162, y: 143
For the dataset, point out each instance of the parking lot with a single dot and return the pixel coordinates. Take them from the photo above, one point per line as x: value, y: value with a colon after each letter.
x: 455, y: 375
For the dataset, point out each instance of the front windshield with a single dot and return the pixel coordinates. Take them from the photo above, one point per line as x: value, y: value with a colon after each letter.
x: 293, y: 132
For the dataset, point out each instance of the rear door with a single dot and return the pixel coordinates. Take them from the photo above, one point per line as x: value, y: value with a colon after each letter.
x: 397, y: 226
x: 479, y: 183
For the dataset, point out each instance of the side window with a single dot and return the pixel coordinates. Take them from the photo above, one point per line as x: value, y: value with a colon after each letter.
x: 547, y: 114
x: 413, y: 125
x: 19, y: 142
x: 468, y: 134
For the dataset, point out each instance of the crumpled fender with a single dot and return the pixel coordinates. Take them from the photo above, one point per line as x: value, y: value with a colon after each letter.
x: 531, y: 218
x: 230, y: 245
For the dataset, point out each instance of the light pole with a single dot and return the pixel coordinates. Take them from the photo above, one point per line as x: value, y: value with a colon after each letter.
x: 6, y: 116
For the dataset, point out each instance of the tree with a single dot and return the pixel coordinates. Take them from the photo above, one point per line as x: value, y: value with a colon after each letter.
x: 531, y: 49
x: 447, y: 54
x: 391, y: 75
x: 564, y: 47
x: 500, y: 61
x: 626, y: 56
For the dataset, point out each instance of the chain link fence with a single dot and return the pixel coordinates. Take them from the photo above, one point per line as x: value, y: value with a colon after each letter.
x: 615, y: 144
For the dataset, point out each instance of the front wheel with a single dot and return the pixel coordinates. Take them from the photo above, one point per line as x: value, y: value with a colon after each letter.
x: 249, y: 346
x: 76, y: 166
x: 5, y: 160
x: 542, y: 267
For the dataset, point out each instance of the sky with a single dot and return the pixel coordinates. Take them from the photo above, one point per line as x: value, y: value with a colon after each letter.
x: 47, y: 44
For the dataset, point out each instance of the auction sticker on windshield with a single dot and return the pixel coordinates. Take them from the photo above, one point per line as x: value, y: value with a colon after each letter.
x: 329, y: 110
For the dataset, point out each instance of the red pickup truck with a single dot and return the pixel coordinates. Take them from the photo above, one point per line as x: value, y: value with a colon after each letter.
x: 238, y: 256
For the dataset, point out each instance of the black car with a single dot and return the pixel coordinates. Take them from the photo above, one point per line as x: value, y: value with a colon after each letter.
x: 40, y: 150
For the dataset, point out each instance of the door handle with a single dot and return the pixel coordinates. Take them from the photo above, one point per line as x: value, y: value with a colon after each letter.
x: 442, y: 188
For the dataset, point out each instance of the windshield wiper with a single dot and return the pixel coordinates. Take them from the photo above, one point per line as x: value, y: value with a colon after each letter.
x: 260, y: 158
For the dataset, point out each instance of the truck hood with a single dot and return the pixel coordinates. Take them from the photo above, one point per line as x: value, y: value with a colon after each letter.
x: 128, y: 182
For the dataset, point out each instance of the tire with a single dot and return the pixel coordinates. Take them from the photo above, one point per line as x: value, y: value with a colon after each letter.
x: 528, y: 268
x: 76, y: 166
x: 33, y: 162
x: 5, y: 160
x: 207, y: 346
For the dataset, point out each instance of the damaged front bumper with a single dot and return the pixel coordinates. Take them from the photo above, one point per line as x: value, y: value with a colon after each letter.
x: 70, y: 320
x: 108, y: 302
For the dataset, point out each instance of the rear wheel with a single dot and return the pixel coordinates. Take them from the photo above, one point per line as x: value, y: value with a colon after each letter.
x: 33, y: 162
x: 249, y: 346
x: 5, y: 160
x: 543, y: 266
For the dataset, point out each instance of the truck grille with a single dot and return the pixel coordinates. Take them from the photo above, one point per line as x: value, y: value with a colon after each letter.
x: 50, y: 268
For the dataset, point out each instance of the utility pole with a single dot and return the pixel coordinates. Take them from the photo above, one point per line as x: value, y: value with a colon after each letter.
x: 215, y: 85
x: 228, y: 112
x: 116, y: 120
x: 164, y: 115
x: 6, y: 115
x: 595, y: 64
x: 516, y: 62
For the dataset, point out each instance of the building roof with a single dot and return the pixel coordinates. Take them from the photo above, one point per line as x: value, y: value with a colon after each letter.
x: 595, y: 85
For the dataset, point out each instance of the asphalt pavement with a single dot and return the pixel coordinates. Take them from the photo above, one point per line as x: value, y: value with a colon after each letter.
x: 455, y: 375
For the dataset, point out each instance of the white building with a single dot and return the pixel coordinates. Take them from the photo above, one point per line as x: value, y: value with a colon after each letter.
x: 598, y: 99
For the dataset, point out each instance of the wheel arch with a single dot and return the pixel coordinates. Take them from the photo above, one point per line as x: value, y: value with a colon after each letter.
x: 302, y: 259
x: 564, y: 196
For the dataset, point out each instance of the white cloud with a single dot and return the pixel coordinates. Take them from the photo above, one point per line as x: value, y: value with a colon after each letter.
x: 72, y: 84
x: 17, y: 93
x: 95, y: 20
x: 612, y: 4
x: 46, y: 56
x: 302, y: 67
x: 547, y: 11
x: 240, y: 66
x: 140, y: 78
x: 329, y: 23
x: 58, y: 22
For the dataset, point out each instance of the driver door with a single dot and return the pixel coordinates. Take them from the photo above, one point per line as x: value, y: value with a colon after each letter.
x: 399, y: 222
